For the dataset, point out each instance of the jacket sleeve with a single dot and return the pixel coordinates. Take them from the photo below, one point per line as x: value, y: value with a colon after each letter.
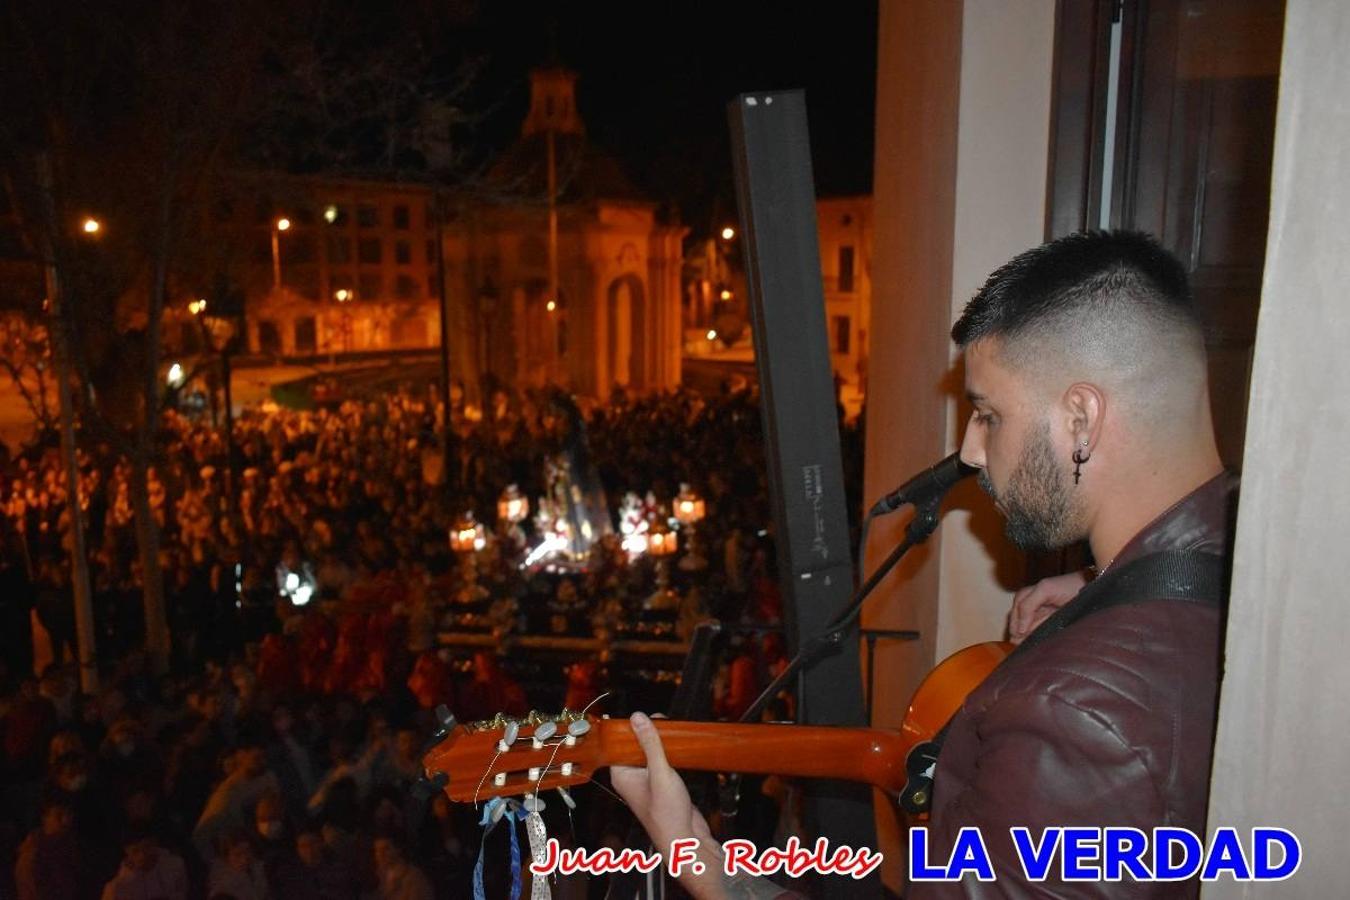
x: 1043, y: 760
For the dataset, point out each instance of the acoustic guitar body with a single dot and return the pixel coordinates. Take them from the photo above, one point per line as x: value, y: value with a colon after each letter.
x: 944, y: 689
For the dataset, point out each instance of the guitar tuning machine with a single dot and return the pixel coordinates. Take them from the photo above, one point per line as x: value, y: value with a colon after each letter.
x: 445, y: 721
x: 545, y: 731
x: 564, y: 793
x: 508, y: 736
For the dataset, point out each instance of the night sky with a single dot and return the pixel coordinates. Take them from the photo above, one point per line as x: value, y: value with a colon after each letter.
x: 655, y: 78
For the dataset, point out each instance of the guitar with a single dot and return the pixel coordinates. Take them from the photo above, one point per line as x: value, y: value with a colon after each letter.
x: 514, y: 757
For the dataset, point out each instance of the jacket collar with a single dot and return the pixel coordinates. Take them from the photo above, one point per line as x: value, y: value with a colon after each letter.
x: 1201, y: 521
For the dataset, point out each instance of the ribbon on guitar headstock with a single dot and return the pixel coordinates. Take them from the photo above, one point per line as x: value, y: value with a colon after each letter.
x: 494, y: 811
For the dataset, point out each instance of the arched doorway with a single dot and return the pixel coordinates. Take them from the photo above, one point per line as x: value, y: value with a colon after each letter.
x: 626, y: 312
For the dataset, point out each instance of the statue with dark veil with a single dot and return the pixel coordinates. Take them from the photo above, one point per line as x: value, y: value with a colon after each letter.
x: 574, y: 486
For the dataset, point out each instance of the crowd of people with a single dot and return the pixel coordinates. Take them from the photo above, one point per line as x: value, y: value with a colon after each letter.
x: 279, y: 752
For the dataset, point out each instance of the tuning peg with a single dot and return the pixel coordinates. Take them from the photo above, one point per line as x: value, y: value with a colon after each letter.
x: 426, y: 788
x: 445, y: 721
x: 509, y: 735
x: 546, y: 730
x: 578, y: 727
x: 533, y: 803
x: 567, y: 797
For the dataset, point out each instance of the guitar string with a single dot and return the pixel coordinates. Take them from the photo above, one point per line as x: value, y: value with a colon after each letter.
x: 556, y: 745
x: 549, y: 765
x: 486, y: 772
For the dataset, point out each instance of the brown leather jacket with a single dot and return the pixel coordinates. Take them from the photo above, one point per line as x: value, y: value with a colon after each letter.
x: 1110, y: 722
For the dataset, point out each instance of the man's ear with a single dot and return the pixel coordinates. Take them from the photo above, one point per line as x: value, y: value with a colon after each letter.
x: 1084, y: 406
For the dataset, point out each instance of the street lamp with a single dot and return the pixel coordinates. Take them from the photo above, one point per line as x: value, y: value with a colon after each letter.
x: 728, y: 233
x: 662, y: 543
x: 466, y: 535
x: 91, y: 225
x: 282, y: 224
x: 689, y: 511
x: 513, y: 506
x: 689, y: 506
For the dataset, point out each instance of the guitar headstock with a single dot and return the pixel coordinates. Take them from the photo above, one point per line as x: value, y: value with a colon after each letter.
x: 509, y: 757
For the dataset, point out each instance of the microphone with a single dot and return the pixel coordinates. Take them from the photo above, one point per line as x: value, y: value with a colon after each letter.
x: 929, y: 485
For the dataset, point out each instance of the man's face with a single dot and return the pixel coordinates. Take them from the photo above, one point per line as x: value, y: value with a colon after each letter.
x: 1022, y: 467
x: 309, y: 847
x: 142, y: 855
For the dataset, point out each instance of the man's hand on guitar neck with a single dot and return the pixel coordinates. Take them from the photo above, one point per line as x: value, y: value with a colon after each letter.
x: 1035, y: 603
x: 658, y: 797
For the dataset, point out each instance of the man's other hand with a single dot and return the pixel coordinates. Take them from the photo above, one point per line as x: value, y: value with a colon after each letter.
x: 1034, y: 604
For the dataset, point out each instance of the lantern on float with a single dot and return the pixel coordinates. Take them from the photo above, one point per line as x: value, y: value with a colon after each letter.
x: 466, y: 535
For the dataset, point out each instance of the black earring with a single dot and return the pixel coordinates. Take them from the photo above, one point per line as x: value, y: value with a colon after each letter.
x: 1078, y: 460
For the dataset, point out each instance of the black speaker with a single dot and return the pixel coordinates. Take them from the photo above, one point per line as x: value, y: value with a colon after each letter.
x: 775, y: 193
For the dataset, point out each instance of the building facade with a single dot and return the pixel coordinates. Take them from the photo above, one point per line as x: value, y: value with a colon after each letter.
x: 557, y: 270
x: 845, y: 227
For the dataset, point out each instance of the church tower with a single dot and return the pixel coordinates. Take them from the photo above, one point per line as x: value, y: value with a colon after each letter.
x: 553, y: 104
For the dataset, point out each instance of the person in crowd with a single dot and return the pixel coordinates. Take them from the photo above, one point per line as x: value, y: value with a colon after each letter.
x: 148, y: 870
x: 399, y: 878
x: 236, y: 871
x: 247, y: 780
x: 50, y: 859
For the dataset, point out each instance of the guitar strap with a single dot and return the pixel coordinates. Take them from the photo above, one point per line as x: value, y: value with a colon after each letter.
x: 1170, y: 575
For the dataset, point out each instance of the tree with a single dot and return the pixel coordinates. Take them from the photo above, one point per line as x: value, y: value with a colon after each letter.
x: 120, y: 113
x: 145, y: 115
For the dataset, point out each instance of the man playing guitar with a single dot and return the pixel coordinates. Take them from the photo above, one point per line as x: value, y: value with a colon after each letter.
x: 1085, y: 364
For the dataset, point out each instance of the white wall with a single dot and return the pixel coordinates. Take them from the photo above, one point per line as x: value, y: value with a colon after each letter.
x: 1007, y: 55
x: 1284, y: 717
x: 962, y: 142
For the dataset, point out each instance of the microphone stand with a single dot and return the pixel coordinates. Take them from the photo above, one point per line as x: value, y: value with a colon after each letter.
x: 920, y: 528
x: 923, y: 524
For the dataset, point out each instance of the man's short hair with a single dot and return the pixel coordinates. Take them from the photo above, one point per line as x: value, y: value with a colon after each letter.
x: 1069, y: 282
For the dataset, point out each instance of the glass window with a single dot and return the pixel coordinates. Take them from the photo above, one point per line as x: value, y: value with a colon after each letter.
x: 369, y: 287
x: 846, y: 269
x: 269, y: 337
x: 367, y: 216
x: 402, y: 253
x: 297, y: 247
x: 841, y: 333
x: 368, y: 251
x: 339, y: 250
x: 401, y: 218
x: 405, y: 287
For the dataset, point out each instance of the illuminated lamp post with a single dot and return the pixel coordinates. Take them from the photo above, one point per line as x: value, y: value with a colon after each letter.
x: 512, y: 508
x: 280, y: 225
x: 466, y: 535
x: 662, y: 544
x: 689, y: 511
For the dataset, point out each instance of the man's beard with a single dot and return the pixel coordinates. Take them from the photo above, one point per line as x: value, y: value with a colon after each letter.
x: 1037, y: 502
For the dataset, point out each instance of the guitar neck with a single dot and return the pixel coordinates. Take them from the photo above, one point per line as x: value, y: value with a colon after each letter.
x: 867, y: 755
